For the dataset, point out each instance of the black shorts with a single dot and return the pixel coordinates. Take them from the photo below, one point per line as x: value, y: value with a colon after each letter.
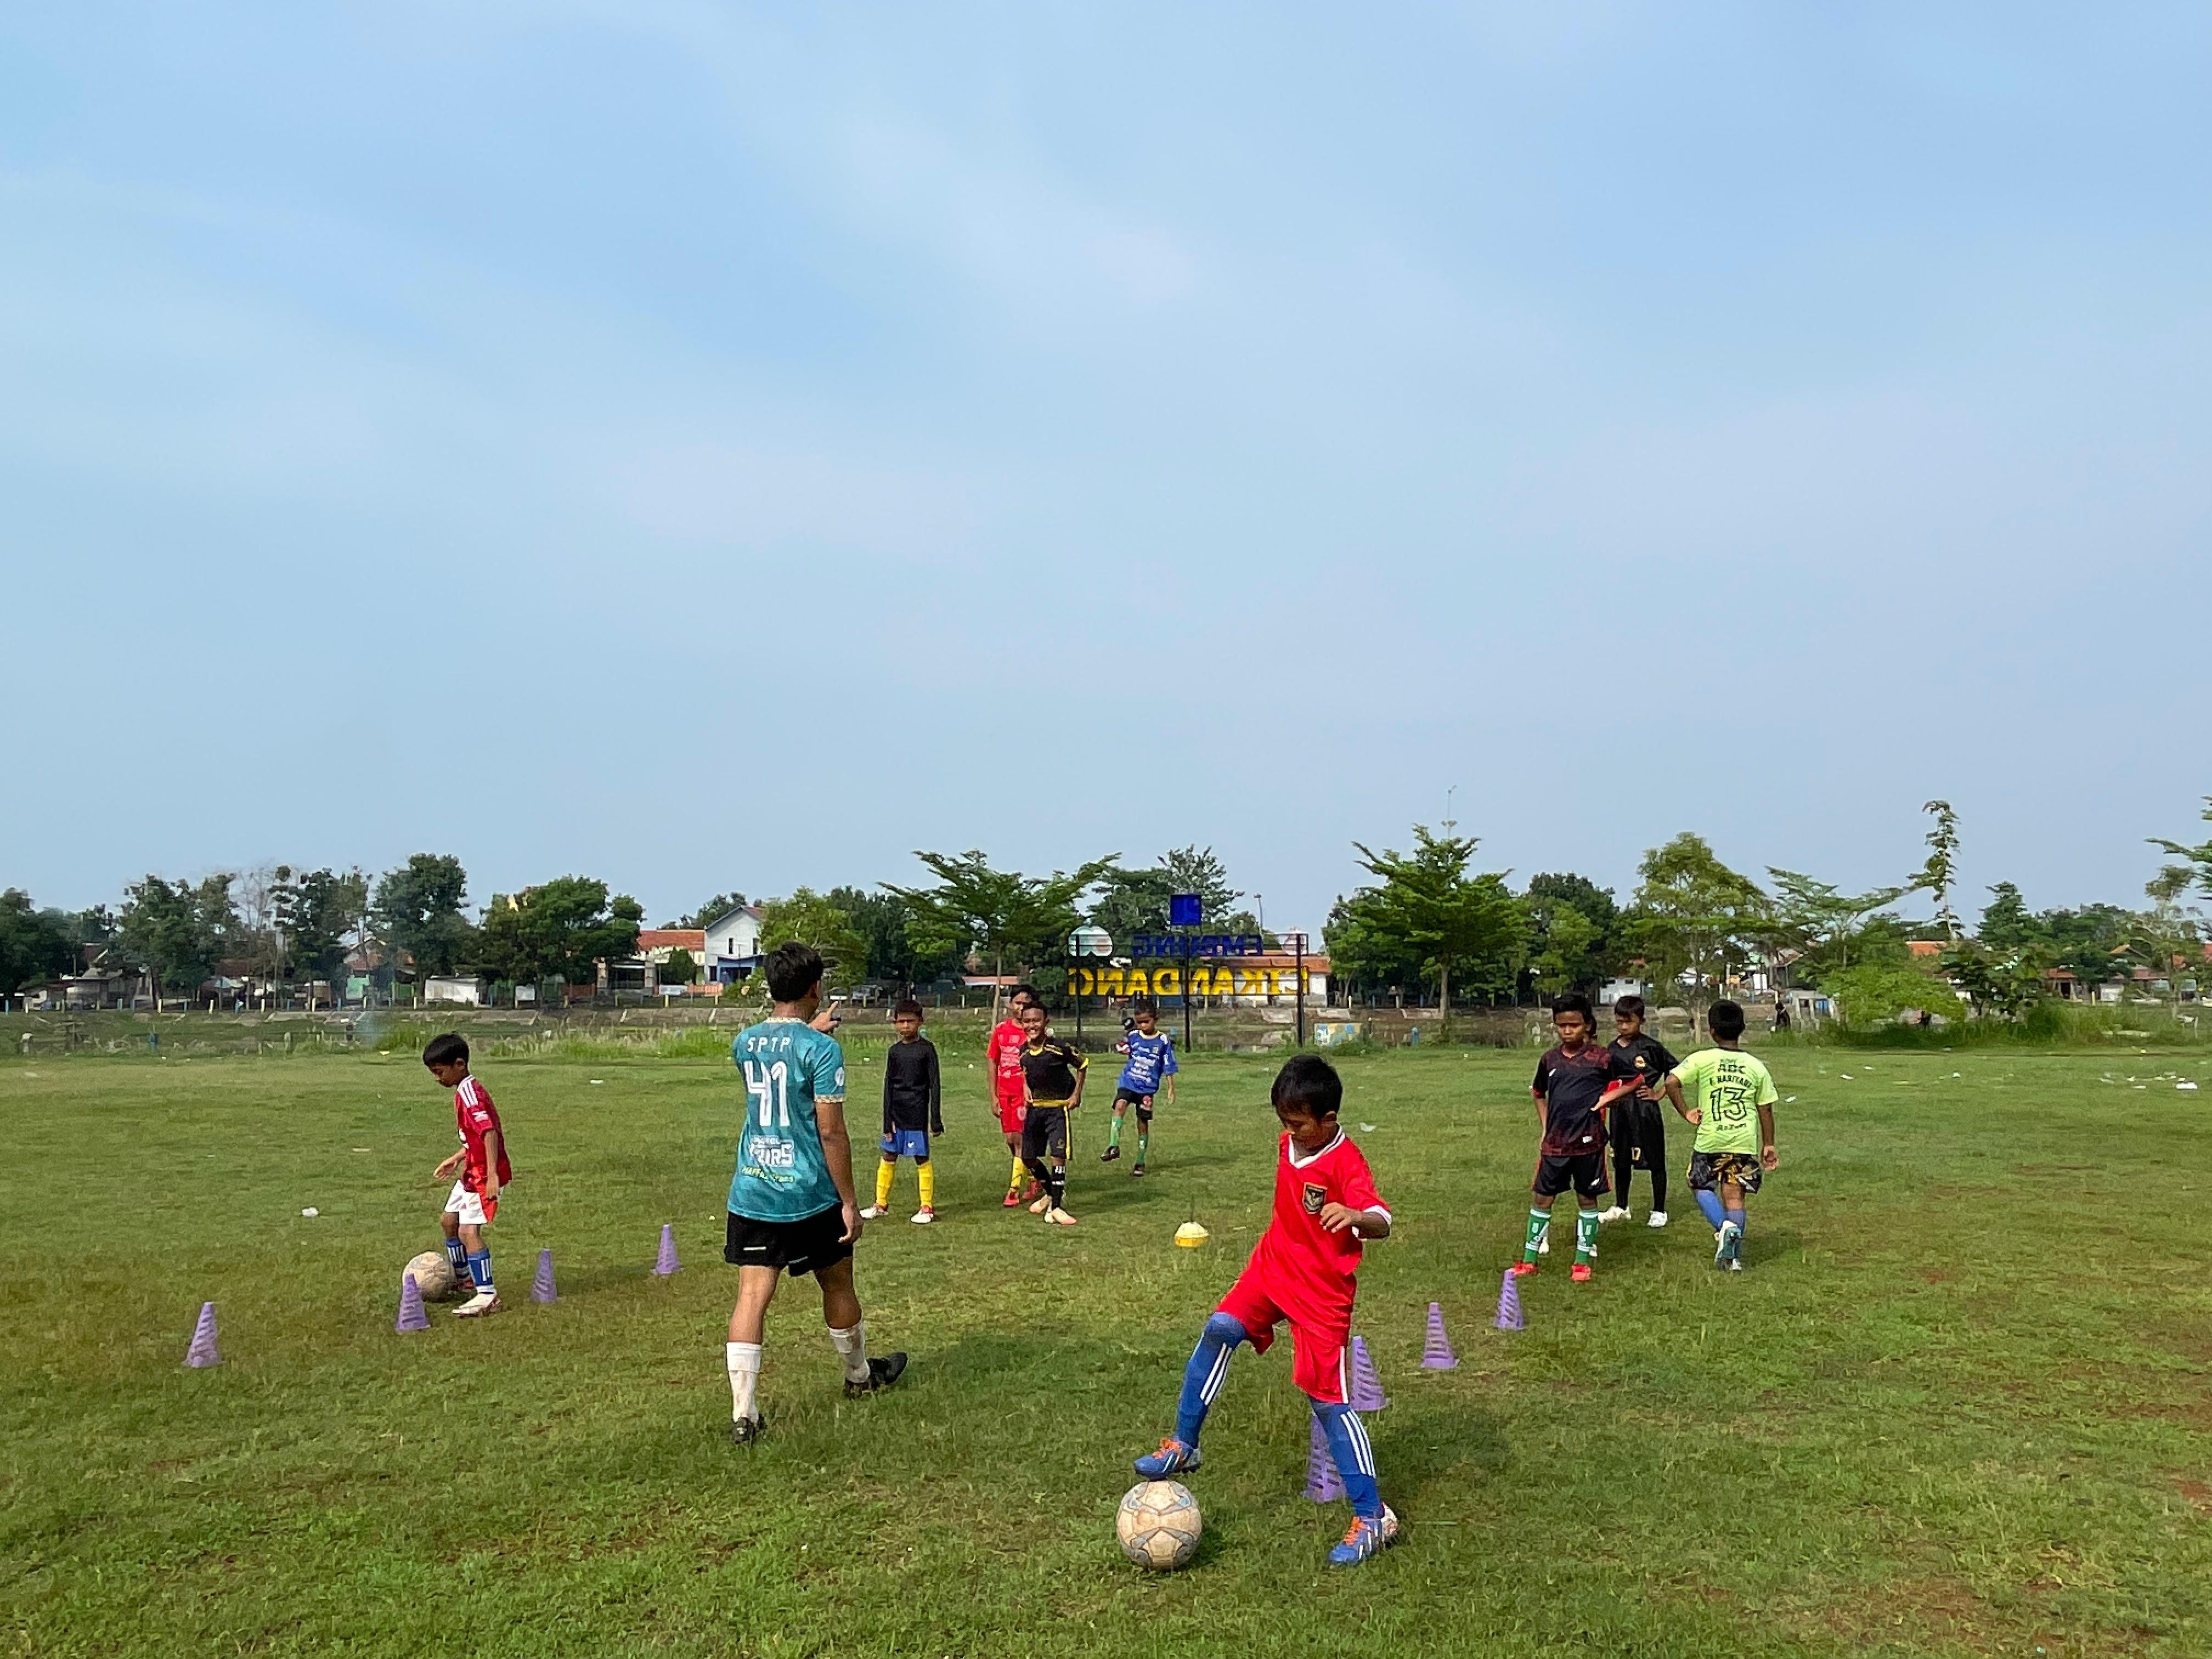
x: 1142, y: 1102
x: 1045, y: 1131
x: 798, y: 1247
x: 1584, y: 1172
x: 1637, y: 1125
x: 1709, y: 1171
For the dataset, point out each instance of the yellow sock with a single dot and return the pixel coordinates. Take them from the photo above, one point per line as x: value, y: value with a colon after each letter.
x: 926, y: 1175
x: 884, y: 1171
x: 1014, y: 1181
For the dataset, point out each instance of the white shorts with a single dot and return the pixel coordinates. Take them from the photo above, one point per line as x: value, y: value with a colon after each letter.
x: 468, y: 1205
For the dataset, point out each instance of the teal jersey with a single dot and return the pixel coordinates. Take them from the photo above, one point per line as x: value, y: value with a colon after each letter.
x: 788, y: 1066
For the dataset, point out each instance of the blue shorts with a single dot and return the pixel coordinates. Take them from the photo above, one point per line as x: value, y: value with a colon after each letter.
x: 907, y: 1143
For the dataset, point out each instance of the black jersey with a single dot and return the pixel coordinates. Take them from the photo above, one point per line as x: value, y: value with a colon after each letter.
x: 1048, y: 1067
x: 910, y: 1087
x: 1649, y: 1056
x: 1570, y: 1085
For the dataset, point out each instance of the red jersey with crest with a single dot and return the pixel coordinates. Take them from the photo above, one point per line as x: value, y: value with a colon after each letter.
x: 476, y: 1116
x: 1302, y: 1265
x: 1007, y: 1040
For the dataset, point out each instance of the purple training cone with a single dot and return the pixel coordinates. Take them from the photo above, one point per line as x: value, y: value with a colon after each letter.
x: 1367, y: 1393
x: 1322, y: 1484
x: 541, y: 1287
x: 1436, y: 1353
x: 1509, y: 1304
x: 202, y: 1350
x: 667, y: 1264
x: 411, y: 1316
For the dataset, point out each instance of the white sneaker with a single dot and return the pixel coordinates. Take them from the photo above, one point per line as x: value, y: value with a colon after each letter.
x: 484, y: 1302
x: 874, y: 1212
x: 923, y: 1217
x: 1616, y: 1213
x: 1658, y: 1219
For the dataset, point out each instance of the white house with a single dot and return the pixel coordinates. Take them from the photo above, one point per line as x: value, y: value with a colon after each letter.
x: 732, y: 944
x: 464, y: 988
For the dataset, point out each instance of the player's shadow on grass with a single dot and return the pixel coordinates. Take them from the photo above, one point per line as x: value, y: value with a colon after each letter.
x: 1430, y: 1448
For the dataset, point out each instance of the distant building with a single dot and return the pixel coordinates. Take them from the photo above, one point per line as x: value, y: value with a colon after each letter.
x: 462, y: 989
x: 730, y: 948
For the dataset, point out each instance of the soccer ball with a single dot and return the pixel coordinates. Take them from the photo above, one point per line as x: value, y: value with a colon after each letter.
x: 1159, y: 1525
x: 434, y: 1275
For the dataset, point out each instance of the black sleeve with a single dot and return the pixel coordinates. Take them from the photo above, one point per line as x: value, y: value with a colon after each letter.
x: 1667, y: 1062
x: 890, y: 1065
x: 1538, y: 1085
x: 936, y: 1122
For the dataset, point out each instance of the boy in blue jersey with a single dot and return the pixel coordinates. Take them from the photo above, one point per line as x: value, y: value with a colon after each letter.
x: 792, y: 1208
x: 1151, y: 1060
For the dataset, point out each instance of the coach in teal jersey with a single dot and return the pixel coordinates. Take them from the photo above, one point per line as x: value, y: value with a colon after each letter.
x: 792, y: 1207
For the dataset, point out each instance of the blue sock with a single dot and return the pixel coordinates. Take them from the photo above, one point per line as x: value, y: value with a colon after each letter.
x: 1203, y: 1377
x: 1736, y: 1216
x: 480, y: 1271
x: 1709, y: 1202
x: 457, y: 1253
x: 1355, y: 1458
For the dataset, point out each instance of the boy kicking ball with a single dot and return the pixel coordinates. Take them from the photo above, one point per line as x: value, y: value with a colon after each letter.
x: 1577, y: 1081
x: 482, y: 1167
x: 910, y: 1114
x: 1304, y: 1269
x: 1731, y: 1103
x: 1053, y: 1074
x: 1151, y: 1062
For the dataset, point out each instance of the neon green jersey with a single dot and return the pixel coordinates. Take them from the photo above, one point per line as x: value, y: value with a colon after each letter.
x: 1727, y: 1087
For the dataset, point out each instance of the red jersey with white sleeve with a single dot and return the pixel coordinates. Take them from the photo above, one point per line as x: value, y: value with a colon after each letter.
x: 475, y: 1116
x: 1304, y: 1273
x: 1008, y: 1038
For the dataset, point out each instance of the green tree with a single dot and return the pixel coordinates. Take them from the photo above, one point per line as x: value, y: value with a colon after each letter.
x: 561, y: 930
x: 883, y: 920
x: 1133, y: 901
x: 1001, y: 915
x: 1692, y: 916
x: 1426, y: 908
x: 1822, y: 922
x: 1574, y: 932
x: 682, y: 968
x: 815, y: 919
x: 1935, y: 875
x: 177, y: 930
x: 34, y: 945
x: 2006, y: 924
x: 2003, y: 984
x: 2167, y: 939
x: 321, y: 915
x: 2197, y: 859
x: 1872, y: 994
x: 417, y: 911
x: 712, y: 910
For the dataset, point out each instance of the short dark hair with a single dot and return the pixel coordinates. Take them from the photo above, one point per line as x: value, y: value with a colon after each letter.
x: 906, y: 1007
x: 1573, y: 1002
x: 1726, y: 1019
x: 1632, y: 1005
x: 1146, y: 1005
x: 793, y: 969
x: 1036, y: 1005
x: 1025, y: 990
x: 1310, y: 1084
x: 451, y: 1050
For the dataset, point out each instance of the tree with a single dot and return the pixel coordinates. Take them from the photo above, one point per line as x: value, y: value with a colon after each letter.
x: 1870, y: 995
x: 2197, y: 860
x: 1822, y: 922
x: 1692, y: 916
x: 1574, y: 932
x: 177, y: 930
x: 2005, y: 984
x: 882, y: 919
x: 321, y: 915
x: 682, y: 968
x: 998, y: 913
x: 812, y: 918
x: 2166, y: 939
x: 2006, y: 924
x: 417, y: 911
x: 712, y: 911
x: 1133, y: 901
x: 1426, y: 908
x: 34, y: 945
x: 1935, y: 875
x: 561, y: 930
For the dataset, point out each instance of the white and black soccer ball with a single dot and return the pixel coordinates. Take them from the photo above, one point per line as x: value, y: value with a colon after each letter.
x: 434, y: 1275
x: 1159, y: 1525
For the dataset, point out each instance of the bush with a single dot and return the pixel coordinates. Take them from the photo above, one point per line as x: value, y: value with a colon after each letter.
x: 1878, y: 994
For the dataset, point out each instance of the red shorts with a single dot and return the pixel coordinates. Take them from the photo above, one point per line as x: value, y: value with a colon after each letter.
x: 1320, y: 1339
x: 1013, y: 1109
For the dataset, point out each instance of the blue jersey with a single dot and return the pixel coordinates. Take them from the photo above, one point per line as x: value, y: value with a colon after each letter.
x: 788, y: 1065
x: 1150, y: 1058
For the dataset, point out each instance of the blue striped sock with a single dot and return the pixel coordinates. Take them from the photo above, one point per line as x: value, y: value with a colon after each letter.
x: 457, y: 1253
x: 1355, y: 1458
x: 480, y: 1271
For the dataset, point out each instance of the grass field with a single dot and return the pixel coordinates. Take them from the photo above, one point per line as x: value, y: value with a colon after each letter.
x: 1957, y: 1404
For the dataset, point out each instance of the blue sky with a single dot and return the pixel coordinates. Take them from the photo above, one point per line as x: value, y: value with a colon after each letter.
x: 711, y: 446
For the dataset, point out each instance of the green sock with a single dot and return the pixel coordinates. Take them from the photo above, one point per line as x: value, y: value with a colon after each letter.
x: 1585, y: 1234
x: 1143, y: 1141
x: 1539, y: 1224
x: 1114, y: 1132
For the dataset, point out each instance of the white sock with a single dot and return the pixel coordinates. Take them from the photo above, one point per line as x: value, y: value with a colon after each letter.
x: 743, y: 1360
x: 853, y: 1348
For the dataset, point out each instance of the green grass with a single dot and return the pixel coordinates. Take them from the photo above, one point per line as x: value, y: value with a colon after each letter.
x: 1958, y: 1403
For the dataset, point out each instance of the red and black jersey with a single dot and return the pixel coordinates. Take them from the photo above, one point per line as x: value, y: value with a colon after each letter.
x: 1571, y: 1085
x: 475, y: 1115
x: 1302, y: 1264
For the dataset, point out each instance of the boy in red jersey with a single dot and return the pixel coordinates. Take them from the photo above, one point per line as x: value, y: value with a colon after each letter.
x: 1304, y: 1270
x: 1004, y: 1047
x: 482, y: 1163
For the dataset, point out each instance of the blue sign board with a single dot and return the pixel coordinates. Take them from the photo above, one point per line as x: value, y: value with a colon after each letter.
x: 1184, y: 910
x: 1202, y: 945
